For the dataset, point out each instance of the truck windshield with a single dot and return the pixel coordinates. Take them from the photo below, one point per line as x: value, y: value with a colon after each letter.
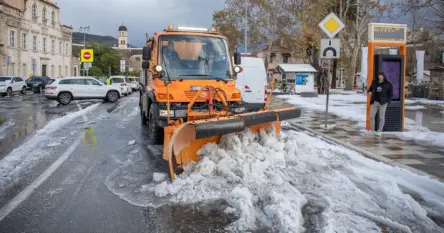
x: 194, y: 57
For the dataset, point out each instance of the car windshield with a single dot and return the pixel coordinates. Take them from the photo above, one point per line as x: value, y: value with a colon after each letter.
x: 194, y: 57
x: 2, y: 79
x: 117, y: 80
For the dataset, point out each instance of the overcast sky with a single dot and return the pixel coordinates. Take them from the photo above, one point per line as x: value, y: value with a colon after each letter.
x: 139, y: 16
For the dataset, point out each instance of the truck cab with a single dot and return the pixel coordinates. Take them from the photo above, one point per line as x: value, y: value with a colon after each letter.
x: 177, y: 63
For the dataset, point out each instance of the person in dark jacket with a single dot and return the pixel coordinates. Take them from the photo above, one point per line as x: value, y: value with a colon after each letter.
x: 381, y: 92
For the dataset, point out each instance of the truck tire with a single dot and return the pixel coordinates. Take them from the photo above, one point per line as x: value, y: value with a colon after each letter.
x: 155, y: 132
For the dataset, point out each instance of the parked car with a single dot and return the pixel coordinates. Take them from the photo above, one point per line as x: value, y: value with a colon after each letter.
x: 37, y: 83
x: 10, y: 84
x: 64, y: 90
x: 134, y: 83
x: 252, y: 82
x: 122, y: 81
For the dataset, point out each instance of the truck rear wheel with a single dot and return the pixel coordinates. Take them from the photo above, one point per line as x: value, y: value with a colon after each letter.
x: 155, y: 132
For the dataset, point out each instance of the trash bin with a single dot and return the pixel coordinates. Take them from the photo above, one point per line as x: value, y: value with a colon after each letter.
x: 419, y: 92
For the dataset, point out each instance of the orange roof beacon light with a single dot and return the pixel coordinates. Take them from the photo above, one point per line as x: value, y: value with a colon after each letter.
x: 170, y: 27
x: 213, y: 29
x: 393, y: 66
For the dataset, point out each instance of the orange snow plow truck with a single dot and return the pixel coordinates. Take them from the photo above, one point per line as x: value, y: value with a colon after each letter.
x: 188, y: 94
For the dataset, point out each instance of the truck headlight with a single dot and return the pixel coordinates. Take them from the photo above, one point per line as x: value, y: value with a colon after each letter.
x: 239, y: 109
x: 164, y: 113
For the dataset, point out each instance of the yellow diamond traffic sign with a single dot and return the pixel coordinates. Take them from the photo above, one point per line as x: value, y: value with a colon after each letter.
x: 331, y: 25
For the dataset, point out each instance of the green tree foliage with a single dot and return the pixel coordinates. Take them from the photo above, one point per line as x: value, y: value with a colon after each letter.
x: 95, y: 71
x: 104, y: 58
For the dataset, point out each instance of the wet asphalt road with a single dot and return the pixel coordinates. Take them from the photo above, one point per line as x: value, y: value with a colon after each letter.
x: 96, y: 189
x: 21, y: 115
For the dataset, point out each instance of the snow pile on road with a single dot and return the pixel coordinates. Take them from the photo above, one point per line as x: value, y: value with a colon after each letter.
x: 56, y: 124
x: 414, y: 107
x: 271, y: 180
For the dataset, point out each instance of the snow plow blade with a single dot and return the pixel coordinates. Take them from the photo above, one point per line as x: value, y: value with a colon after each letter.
x: 183, y: 140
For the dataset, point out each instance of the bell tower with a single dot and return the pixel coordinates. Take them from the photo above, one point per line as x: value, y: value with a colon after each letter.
x: 123, y: 37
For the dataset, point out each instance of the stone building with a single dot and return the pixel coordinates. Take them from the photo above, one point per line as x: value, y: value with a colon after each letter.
x: 32, y: 39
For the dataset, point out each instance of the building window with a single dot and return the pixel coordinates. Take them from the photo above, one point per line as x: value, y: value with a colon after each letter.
x: 34, y: 10
x: 285, y: 59
x: 34, y: 43
x: 66, y: 71
x: 44, y: 14
x: 60, y: 71
x: 11, y: 69
x: 24, y: 71
x: 44, y: 44
x: 12, y: 39
x: 66, y: 49
x: 24, y: 40
x: 60, y: 47
x: 53, y: 17
x: 52, y: 71
x: 34, y: 65
x: 53, y: 46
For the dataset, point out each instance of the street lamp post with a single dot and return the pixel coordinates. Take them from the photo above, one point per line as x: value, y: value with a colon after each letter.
x: 84, y: 29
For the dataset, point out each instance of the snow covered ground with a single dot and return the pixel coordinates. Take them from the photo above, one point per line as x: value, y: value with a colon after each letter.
x: 353, y: 107
x: 280, y: 182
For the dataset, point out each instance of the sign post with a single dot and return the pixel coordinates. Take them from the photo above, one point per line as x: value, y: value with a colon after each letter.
x: 87, y: 66
x: 330, y: 48
x: 122, y: 66
x: 87, y: 58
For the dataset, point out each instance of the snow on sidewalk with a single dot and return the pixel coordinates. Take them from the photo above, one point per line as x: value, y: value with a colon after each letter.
x: 268, y: 180
x: 353, y: 107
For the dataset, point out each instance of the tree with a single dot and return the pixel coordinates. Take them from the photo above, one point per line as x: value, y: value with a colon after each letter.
x: 95, y: 71
x: 104, y: 58
x: 227, y: 26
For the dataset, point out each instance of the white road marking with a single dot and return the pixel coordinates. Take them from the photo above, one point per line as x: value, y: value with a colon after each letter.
x: 24, y: 194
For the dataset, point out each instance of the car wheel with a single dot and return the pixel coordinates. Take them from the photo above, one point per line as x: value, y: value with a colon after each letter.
x: 155, y: 132
x: 9, y: 92
x: 112, y: 96
x: 23, y: 92
x: 65, y: 98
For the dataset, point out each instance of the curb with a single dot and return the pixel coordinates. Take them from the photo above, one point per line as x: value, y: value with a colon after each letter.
x: 367, y: 154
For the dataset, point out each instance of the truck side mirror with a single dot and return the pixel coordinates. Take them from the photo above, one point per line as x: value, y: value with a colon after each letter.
x: 237, y: 58
x: 145, y: 64
x: 146, y: 54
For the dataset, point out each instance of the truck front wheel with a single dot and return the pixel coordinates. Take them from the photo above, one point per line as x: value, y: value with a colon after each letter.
x: 155, y: 132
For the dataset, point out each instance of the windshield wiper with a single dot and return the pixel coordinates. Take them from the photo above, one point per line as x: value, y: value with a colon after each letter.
x: 207, y: 75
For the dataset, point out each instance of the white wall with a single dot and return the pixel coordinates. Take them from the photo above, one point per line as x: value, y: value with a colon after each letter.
x: 22, y: 57
x: 308, y: 87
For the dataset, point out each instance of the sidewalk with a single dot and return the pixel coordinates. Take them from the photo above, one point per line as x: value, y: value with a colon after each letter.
x: 425, y: 157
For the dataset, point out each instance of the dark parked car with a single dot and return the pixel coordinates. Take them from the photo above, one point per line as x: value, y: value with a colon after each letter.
x: 38, y: 83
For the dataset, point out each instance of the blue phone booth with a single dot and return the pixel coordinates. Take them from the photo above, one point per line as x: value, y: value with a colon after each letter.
x: 393, y: 68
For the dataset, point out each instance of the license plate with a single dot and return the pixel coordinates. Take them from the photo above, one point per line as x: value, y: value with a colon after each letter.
x: 36, y: 85
x: 194, y: 88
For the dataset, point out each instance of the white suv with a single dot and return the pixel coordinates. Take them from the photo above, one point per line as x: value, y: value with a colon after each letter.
x: 10, y: 84
x: 122, y: 82
x: 64, y: 90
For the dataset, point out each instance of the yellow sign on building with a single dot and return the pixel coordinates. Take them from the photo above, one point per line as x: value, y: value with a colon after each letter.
x: 87, y: 55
